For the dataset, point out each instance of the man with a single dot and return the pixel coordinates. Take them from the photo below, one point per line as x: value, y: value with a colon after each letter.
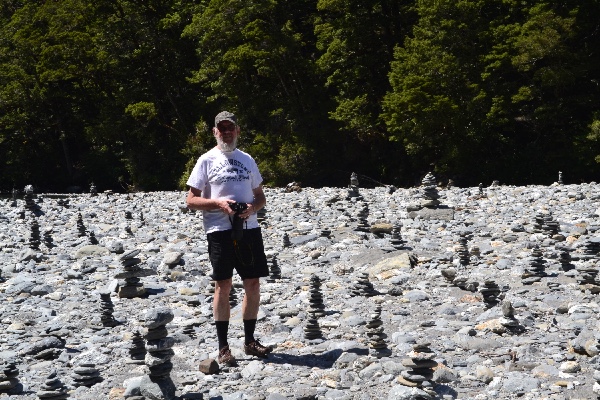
x: 223, y: 178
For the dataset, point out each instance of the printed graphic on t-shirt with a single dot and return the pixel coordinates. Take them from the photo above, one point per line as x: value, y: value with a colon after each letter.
x: 230, y: 171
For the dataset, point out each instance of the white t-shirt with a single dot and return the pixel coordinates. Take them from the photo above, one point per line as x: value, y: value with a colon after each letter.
x: 232, y: 175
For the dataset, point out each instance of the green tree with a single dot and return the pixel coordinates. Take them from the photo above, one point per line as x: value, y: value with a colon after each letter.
x: 257, y: 60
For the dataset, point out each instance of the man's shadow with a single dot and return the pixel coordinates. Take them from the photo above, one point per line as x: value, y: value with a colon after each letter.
x: 322, y: 360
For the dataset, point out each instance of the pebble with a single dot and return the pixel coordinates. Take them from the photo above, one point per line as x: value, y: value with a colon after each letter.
x: 49, y: 298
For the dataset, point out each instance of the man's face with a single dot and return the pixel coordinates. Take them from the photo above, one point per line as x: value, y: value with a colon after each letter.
x: 226, y: 134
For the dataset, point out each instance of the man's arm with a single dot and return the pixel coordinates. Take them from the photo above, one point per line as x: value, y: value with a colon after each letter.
x: 195, y: 201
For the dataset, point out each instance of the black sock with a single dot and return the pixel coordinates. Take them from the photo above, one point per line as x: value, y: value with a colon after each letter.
x: 222, y: 328
x: 249, y: 326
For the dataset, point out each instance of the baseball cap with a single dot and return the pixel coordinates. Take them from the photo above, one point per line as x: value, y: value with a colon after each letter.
x: 225, y: 116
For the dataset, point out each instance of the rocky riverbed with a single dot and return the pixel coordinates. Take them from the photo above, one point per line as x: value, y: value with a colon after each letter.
x: 497, y: 286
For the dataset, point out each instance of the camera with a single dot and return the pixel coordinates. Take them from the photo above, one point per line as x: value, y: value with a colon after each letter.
x: 237, y: 231
x: 238, y: 207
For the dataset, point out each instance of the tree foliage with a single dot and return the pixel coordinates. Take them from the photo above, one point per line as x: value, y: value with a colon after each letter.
x: 122, y: 92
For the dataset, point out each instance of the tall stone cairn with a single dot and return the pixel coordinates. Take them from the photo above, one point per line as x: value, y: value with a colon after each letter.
x: 261, y: 216
x: 106, y: 311
x: 462, y: 251
x: 93, y: 190
x: 565, y: 259
x: 312, y: 330
x: 420, y: 364
x: 362, y: 215
x: 47, y: 236
x: 560, y: 178
x: 376, y: 335
x: 14, y: 195
x: 429, y: 191
x: 131, y: 271
x: 535, y: 268
x: 591, y: 248
x: 159, y: 347
x: 93, y: 239
x: 80, y: 226
x: 53, y: 388
x: 363, y: 286
x: 396, y: 240
x: 86, y: 374
x: 9, y: 382
x: 286, y: 240
x: 233, y: 300
x: 28, y: 196
x: 137, y: 348
x: 316, y: 305
x: 34, y: 238
x: 274, y: 270
x: 353, y: 191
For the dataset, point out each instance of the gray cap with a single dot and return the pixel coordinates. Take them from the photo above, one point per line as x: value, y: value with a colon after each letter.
x: 225, y: 116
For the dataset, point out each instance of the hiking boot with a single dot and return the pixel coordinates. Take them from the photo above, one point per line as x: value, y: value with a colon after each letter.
x: 225, y: 357
x: 256, y: 349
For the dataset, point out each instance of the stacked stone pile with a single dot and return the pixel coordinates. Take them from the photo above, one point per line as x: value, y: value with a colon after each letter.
x: 81, y: 229
x: 159, y: 345
x: 34, y: 237
x: 131, y: 271
x: 363, y: 286
x: 587, y: 277
x: 9, y: 382
x: 376, y: 335
x: 535, y: 268
x: 419, y: 364
x: 462, y: 251
x: 137, y: 348
x: 86, y: 374
x: 429, y: 191
x: 106, y: 311
x: 53, y: 388
x: 362, y: 217
x: 490, y: 292
x: 274, y: 269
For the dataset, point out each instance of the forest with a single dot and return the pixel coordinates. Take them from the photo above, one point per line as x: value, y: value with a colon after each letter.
x: 123, y: 93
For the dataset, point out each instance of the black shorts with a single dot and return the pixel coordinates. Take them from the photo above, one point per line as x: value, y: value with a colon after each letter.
x: 247, y: 256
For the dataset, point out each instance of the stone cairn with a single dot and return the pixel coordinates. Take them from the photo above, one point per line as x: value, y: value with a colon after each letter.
x: 490, y: 292
x: 93, y: 190
x: 591, y: 248
x: 159, y: 347
x: 462, y: 251
x: 396, y: 239
x: 481, y: 193
x: 353, y: 192
x: 429, y: 191
x: 363, y: 286
x: 28, y: 196
x: 362, y: 215
x: 420, y: 364
x: 560, y: 178
x: 536, y: 268
x: 565, y: 259
x: 93, y: 239
x: 312, y: 330
x: 53, y: 388
x: 131, y: 272
x: 34, y: 238
x: 286, y: 240
x: 261, y: 216
x: 48, y: 240
x: 9, y: 383
x: 588, y: 271
x: 274, y: 270
x: 106, y: 311
x: 14, y: 195
x: 80, y: 226
x: 316, y: 305
x: 137, y: 349
x: 508, y: 319
x: 464, y: 284
x: 86, y: 374
x: 376, y: 335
